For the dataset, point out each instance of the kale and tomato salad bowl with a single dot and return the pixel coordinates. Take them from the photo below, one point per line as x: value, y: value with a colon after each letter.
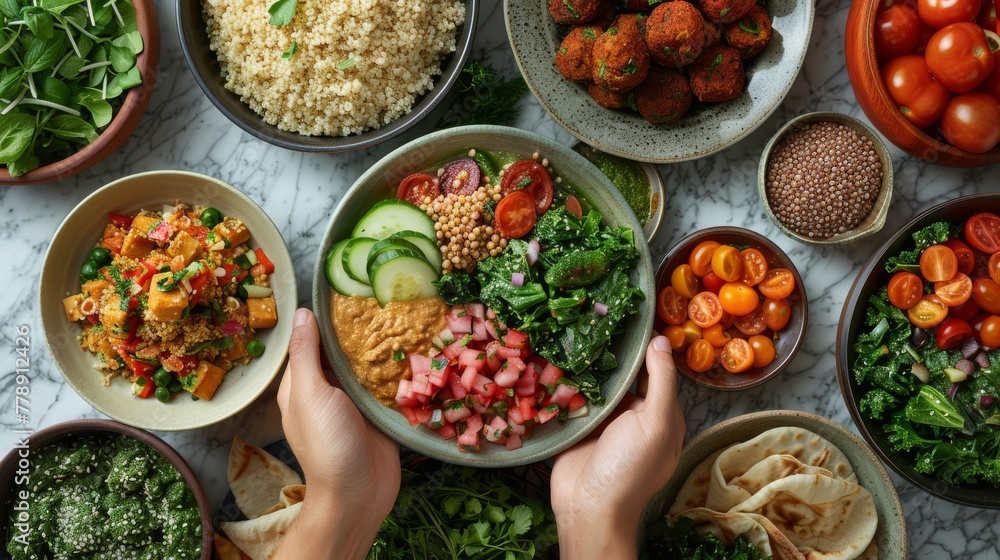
x: 917, y: 355
x: 484, y: 296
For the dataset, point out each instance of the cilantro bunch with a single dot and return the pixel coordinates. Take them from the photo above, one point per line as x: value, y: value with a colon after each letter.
x: 63, y: 64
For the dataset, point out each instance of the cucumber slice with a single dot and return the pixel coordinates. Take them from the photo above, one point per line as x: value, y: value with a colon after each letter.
x: 337, y: 276
x: 386, y: 245
x: 426, y: 245
x: 402, y: 275
x: 389, y: 216
x: 356, y: 258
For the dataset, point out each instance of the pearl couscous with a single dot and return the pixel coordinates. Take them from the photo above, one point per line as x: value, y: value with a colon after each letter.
x: 349, y: 65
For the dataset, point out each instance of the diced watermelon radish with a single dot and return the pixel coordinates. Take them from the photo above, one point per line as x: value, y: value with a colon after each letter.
x: 459, y: 322
x: 576, y: 402
x: 491, y: 329
x: 547, y: 413
x: 490, y: 314
x: 474, y: 423
x: 447, y: 431
x: 439, y: 378
x: 471, y: 357
x: 422, y: 399
x: 498, y: 423
x: 404, y: 394
x: 478, y: 406
x: 513, y: 442
x: 526, y: 408
x: 505, y: 353
x: 477, y: 310
x: 453, y: 350
x: 423, y: 414
x: 492, y: 357
x: 527, y: 384
x: 495, y: 430
x: 507, y: 376
x: 456, y: 412
x: 479, y: 331
x: 550, y: 374
x: 469, y: 440
x: 564, y: 392
x: 514, y: 416
x: 517, y: 363
x: 517, y: 429
x: 458, y: 390
x: 484, y: 385
x: 411, y: 415
x: 469, y: 378
x: 515, y: 339
x: 420, y: 364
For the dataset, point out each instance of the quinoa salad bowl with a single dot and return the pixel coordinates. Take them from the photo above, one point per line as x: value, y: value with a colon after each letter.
x: 437, y: 324
x: 390, y: 68
x: 166, y: 300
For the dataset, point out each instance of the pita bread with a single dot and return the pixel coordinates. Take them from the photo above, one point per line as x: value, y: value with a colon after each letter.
x: 226, y: 550
x: 694, y: 492
x: 826, y: 518
x: 290, y: 495
x: 256, y: 478
x: 725, y: 495
x: 259, y: 538
x: 761, y: 533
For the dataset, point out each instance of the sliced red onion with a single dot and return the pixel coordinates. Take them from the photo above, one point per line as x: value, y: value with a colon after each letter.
x: 983, y: 360
x: 966, y: 366
x: 970, y: 348
x: 600, y: 308
x: 986, y: 401
x: 232, y: 328
x: 517, y: 279
x: 534, y: 248
x: 921, y: 372
x: 952, y: 390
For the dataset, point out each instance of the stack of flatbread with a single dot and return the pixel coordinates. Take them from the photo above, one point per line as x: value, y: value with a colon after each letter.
x: 269, y: 493
x: 790, y: 492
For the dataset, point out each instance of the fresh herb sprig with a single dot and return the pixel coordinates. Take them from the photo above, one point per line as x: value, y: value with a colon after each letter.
x: 62, y: 64
x: 486, y: 98
x: 282, y: 12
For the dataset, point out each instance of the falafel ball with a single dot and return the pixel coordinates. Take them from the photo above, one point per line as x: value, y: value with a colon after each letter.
x: 713, y: 34
x: 717, y: 75
x: 575, y: 11
x: 675, y: 34
x: 724, y: 11
x: 620, y: 59
x: 606, y: 17
x: 664, y: 97
x: 573, y: 56
x: 607, y: 98
x: 751, y: 33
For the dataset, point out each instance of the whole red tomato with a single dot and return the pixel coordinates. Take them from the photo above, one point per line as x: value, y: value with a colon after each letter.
x: 939, y: 13
x: 971, y: 122
x: 988, y: 15
x: 897, y: 31
x: 959, y: 56
x: 917, y: 94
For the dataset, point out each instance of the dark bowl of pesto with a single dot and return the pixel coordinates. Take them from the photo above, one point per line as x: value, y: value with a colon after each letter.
x: 101, y: 489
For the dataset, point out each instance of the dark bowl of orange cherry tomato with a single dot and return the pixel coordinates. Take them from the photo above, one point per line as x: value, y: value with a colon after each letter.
x: 951, y: 298
x: 733, y: 306
x: 927, y: 74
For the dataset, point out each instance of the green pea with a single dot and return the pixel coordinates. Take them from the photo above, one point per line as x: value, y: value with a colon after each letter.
x: 162, y: 394
x: 89, y: 270
x: 161, y: 377
x: 174, y: 386
x: 255, y: 348
x: 101, y: 256
x: 211, y: 217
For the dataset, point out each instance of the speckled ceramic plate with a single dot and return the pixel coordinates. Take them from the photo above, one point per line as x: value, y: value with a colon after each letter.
x: 706, y: 129
x: 380, y: 182
x: 891, y: 532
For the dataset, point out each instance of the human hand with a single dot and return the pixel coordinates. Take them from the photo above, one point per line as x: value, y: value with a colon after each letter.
x: 352, y: 469
x: 601, y: 485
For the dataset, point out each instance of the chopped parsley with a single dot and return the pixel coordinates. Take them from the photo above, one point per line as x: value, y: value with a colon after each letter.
x: 588, y: 33
x: 292, y: 49
x: 398, y: 356
x: 751, y: 28
x: 630, y: 68
x: 345, y: 64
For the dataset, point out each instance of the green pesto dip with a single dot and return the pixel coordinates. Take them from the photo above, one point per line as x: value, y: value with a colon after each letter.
x: 101, y: 498
x: 630, y: 179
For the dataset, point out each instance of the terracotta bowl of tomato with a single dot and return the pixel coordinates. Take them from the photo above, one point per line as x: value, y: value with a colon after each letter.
x: 733, y: 306
x: 978, y: 235
x: 865, y: 68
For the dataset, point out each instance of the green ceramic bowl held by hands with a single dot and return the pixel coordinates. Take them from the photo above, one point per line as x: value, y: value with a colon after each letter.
x: 380, y: 183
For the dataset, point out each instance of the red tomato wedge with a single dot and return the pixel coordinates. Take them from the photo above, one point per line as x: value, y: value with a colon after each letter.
x: 515, y: 214
x: 982, y: 231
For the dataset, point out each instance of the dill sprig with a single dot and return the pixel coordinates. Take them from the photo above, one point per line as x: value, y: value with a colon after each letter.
x: 485, y: 98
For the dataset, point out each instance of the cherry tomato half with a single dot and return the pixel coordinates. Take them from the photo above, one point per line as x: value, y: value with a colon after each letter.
x: 705, y: 309
x: 952, y: 332
x: 712, y: 282
x: 716, y: 336
x: 993, y: 267
x: 986, y: 294
x: 778, y: 284
x: 939, y: 13
x: 738, y: 299
x: 752, y: 323
x: 959, y: 56
x: 954, y: 292
x: 701, y: 257
x: 754, y: 266
x: 573, y: 206
x: 971, y: 122
x: 727, y: 263
x: 938, y: 263
x: 671, y: 307
x: 989, y: 332
x: 737, y: 356
x: 982, y: 231
x: 929, y: 312
x: 763, y: 350
x: 966, y: 259
x: 675, y: 334
x: 905, y: 289
x: 700, y: 356
x: 918, y: 95
x: 515, y: 214
x: 684, y: 281
x: 418, y: 187
x: 692, y: 332
x: 777, y: 313
x: 529, y: 174
x: 897, y: 31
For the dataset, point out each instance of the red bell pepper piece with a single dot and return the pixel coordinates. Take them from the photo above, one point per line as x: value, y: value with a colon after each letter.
x: 138, y: 367
x: 148, y: 389
x: 263, y: 260
x: 118, y: 220
x: 197, y: 283
x: 141, y: 274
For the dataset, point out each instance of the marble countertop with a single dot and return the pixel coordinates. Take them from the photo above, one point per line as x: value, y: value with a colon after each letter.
x: 182, y: 130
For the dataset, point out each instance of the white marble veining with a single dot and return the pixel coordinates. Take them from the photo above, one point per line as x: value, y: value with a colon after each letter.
x: 182, y: 130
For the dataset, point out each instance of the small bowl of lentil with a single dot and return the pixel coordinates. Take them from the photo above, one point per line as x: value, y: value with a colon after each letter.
x: 826, y: 179
x: 326, y: 76
x: 102, y: 486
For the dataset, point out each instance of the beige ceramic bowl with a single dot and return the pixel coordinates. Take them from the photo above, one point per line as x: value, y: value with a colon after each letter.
x: 891, y: 532
x: 60, y: 277
x: 868, y: 226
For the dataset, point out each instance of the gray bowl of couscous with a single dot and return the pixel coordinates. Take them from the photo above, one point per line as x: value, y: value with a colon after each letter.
x: 326, y: 77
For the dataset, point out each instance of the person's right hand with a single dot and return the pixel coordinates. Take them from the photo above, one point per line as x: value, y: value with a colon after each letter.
x: 352, y: 469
